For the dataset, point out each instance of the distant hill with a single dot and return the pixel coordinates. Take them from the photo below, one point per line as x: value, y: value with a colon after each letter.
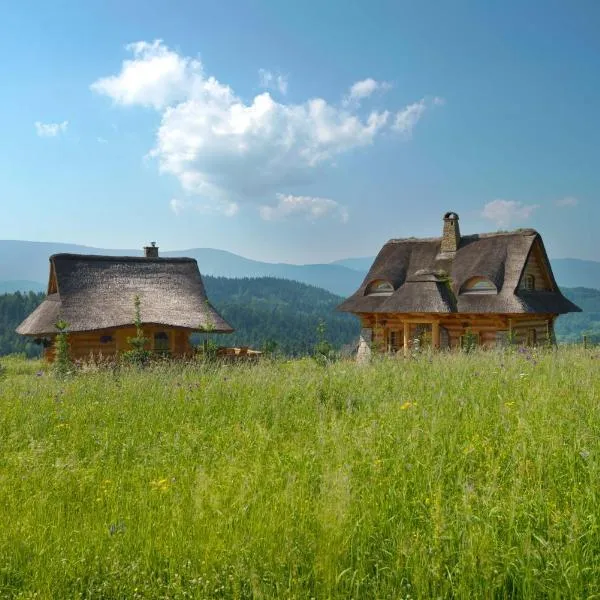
x: 7, y: 287
x: 24, y: 262
x: 356, y: 264
x: 571, y: 327
x: 573, y: 272
x: 21, y: 260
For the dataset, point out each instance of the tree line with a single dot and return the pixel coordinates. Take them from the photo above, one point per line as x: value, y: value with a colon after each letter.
x: 266, y: 313
x: 283, y: 315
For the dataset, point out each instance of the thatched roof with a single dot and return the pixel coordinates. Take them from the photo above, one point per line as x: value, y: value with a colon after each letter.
x: 426, y: 281
x: 97, y: 292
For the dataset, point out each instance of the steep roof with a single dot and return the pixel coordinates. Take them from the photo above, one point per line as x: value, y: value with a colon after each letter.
x: 97, y: 292
x: 427, y: 281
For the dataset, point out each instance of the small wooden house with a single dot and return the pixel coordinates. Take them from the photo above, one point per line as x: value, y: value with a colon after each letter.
x: 95, y: 295
x: 486, y: 289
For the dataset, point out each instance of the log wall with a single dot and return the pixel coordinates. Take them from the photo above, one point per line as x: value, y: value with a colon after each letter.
x: 87, y: 343
x: 387, y: 330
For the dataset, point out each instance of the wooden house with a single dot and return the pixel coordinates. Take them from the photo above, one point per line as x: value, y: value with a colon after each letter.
x: 95, y: 295
x: 486, y: 289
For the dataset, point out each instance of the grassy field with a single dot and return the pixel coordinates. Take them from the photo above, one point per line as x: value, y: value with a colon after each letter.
x: 464, y: 476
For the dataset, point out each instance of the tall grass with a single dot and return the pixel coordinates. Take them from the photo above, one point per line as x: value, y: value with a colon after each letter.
x: 467, y: 476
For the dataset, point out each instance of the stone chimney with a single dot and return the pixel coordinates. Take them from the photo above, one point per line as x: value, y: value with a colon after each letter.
x: 451, y: 235
x: 151, y: 251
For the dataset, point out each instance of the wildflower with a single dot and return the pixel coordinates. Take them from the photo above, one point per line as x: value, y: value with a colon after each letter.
x: 161, y: 485
x: 407, y: 405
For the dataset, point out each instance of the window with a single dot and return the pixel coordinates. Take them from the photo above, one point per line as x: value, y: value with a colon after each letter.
x: 394, y: 341
x: 529, y: 283
x: 106, y: 339
x: 161, y: 342
x: 478, y: 285
x: 380, y: 288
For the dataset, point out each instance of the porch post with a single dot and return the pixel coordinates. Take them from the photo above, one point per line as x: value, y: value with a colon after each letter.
x: 435, y: 335
x: 406, y: 335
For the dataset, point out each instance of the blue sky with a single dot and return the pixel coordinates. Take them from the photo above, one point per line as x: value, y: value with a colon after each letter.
x: 299, y: 132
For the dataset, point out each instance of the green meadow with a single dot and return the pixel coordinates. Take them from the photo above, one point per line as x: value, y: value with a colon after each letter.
x: 446, y: 476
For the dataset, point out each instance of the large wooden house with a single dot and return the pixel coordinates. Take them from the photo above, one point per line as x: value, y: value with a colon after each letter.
x: 95, y: 296
x: 485, y: 289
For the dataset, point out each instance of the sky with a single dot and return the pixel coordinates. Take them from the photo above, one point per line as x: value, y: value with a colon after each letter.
x: 298, y: 131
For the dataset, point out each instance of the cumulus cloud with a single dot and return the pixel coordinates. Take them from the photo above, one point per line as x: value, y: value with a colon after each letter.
x: 229, y: 151
x: 270, y: 81
x: 307, y: 206
x: 50, y: 129
x: 568, y: 201
x: 365, y: 88
x: 102, y: 140
x: 505, y: 212
x: 155, y: 77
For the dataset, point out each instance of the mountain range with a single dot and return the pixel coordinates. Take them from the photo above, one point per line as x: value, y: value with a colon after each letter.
x: 24, y: 266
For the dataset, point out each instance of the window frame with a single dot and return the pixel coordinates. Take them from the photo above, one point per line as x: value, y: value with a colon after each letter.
x: 468, y: 287
x: 372, y: 288
x: 529, y: 283
x: 161, y: 336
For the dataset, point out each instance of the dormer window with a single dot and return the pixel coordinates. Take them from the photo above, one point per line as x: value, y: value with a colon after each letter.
x: 529, y: 283
x: 478, y: 285
x: 380, y: 287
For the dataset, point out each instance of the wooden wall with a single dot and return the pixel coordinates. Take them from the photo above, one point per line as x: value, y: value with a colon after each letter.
x: 536, y: 266
x: 490, y: 330
x: 86, y: 343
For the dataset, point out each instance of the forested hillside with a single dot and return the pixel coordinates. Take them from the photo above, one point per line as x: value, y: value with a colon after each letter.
x: 571, y: 327
x: 13, y: 309
x: 286, y: 312
x: 283, y: 313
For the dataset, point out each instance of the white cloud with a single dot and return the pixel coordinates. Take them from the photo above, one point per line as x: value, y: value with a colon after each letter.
x: 307, y: 206
x: 504, y: 212
x: 568, y: 201
x: 50, y: 129
x: 406, y: 119
x: 156, y: 77
x: 364, y: 89
x: 177, y: 206
x: 102, y: 140
x: 270, y: 81
x: 229, y: 151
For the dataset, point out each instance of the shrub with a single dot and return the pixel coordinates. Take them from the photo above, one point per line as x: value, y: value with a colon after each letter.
x: 138, y: 355
x: 63, y: 365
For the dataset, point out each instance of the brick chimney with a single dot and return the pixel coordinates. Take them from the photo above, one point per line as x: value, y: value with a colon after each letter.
x: 451, y: 235
x: 151, y: 251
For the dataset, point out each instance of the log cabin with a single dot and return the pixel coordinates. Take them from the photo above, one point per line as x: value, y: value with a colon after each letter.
x: 95, y: 296
x: 485, y: 289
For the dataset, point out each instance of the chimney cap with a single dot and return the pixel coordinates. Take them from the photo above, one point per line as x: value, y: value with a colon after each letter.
x: 151, y: 251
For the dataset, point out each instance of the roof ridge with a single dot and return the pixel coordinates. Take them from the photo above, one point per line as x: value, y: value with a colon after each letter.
x: 526, y: 231
x: 115, y: 258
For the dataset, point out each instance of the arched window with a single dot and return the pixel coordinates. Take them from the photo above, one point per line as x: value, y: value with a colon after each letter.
x: 529, y: 283
x: 380, y: 287
x: 478, y: 285
x: 161, y: 342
